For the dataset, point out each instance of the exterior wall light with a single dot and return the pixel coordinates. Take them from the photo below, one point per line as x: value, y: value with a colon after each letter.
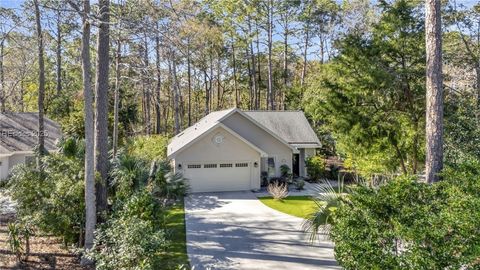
x: 179, y: 166
x: 255, y: 164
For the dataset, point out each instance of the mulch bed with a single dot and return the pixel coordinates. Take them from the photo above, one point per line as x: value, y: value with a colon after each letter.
x: 46, y: 252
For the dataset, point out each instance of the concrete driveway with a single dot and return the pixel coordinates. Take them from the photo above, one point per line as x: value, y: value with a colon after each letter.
x: 234, y: 230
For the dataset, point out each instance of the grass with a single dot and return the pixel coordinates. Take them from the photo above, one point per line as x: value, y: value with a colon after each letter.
x: 299, y: 206
x: 177, y: 252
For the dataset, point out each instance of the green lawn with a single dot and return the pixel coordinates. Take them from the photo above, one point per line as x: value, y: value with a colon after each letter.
x: 299, y: 206
x: 177, y: 252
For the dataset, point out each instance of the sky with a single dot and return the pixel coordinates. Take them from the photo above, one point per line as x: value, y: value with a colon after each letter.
x: 17, y: 3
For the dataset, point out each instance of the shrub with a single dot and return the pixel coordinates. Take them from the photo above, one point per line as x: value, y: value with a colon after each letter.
x: 129, y: 174
x: 52, y: 199
x: 315, y: 167
x: 278, y: 190
x: 133, y: 238
x: 19, y: 239
x: 284, y: 170
x: 405, y: 224
x: 299, y: 184
x: 148, y: 148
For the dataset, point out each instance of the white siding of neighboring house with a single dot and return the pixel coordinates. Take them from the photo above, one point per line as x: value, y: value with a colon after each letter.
x: 4, y: 167
x: 232, y: 149
x: 8, y: 163
x: 262, y: 139
x: 16, y: 159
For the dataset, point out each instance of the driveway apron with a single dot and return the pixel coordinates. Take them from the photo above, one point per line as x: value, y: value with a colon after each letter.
x: 234, y: 230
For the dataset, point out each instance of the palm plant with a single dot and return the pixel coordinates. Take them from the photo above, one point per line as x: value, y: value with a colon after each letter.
x: 168, y: 184
x: 327, y: 199
x: 129, y: 174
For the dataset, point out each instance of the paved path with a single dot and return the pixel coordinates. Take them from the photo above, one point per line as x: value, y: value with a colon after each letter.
x: 234, y: 230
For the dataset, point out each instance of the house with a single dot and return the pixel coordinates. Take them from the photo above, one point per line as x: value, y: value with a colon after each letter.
x: 227, y: 150
x: 18, y: 139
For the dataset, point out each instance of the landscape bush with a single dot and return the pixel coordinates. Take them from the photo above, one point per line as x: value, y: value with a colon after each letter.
x: 51, y: 198
x: 406, y: 224
x: 316, y: 167
x: 278, y: 190
x: 133, y: 238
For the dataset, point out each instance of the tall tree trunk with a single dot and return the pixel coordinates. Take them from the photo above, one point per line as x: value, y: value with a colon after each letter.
x: 305, y: 52
x: 2, y: 79
x: 207, y: 92
x: 159, y: 84
x: 146, y: 87
x: 285, y: 53
x: 259, y: 69
x: 59, y: 54
x: 251, y: 79
x: 101, y: 107
x: 434, y: 115
x: 176, y: 100
x: 116, y: 97
x: 255, y: 86
x: 90, y: 200
x: 210, y: 83
x: 189, y: 74
x: 219, y: 98
x: 41, y: 82
x: 271, y: 95
x: 235, y: 87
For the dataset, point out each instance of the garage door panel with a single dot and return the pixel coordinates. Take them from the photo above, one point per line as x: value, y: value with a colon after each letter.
x: 221, y: 176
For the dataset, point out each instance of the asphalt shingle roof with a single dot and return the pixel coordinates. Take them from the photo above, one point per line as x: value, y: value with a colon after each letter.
x: 196, y: 130
x: 18, y: 132
x: 292, y: 126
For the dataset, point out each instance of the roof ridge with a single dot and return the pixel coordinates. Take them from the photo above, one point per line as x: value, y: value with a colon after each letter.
x: 276, y: 111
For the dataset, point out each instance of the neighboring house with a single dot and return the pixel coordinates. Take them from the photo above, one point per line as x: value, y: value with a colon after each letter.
x: 18, y: 139
x: 227, y: 150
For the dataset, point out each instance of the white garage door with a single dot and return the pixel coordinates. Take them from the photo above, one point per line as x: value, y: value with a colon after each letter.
x: 218, y: 176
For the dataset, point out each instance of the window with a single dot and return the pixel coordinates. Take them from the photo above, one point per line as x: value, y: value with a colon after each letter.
x: 241, y: 165
x: 194, y: 166
x: 0, y: 163
x: 209, y: 166
x: 271, y: 166
x: 226, y: 165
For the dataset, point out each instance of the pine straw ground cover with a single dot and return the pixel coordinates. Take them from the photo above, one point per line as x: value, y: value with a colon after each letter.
x: 46, y: 252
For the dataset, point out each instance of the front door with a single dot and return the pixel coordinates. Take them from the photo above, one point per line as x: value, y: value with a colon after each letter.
x: 296, y: 164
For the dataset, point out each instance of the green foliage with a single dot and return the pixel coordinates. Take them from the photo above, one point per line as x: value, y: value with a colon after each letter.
x: 137, y: 234
x: 316, y: 167
x: 406, y: 224
x: 371, y: 96
x: 149, y: 148
x: 129, y: 174
x: 462, y: 130
x: 299, y: 184
x: 133, y: 238
x: 52, y: 199
x: 284, y: 170
x: 19, y: 234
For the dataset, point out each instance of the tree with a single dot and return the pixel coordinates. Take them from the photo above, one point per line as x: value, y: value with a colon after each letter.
x: 378, y: 103
x: 90, y: 197
x: 41, y: 82
x: 434, y: 87
x: 101, y: 107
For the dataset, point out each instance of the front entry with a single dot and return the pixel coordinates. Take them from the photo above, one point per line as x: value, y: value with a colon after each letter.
x: 296, y: 164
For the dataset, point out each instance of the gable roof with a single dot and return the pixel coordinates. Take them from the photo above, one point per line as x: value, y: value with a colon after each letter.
x: 190, y: 134
x: 18, y: 132
x: 291, y: 126
x: 214, y: 119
